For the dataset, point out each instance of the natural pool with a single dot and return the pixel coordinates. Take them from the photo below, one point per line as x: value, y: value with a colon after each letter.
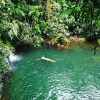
x: 74, y: 76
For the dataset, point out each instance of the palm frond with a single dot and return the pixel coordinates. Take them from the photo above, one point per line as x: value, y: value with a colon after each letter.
x: 14, y: 29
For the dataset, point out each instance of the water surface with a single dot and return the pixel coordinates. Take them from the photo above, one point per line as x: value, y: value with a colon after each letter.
x: 74, y: 76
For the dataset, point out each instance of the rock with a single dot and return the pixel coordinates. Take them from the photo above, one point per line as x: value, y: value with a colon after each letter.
x: 91, y: 38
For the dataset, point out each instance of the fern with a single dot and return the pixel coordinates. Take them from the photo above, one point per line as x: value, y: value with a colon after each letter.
x: 14, y: 29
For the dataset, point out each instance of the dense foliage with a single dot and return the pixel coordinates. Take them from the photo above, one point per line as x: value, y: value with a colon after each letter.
x: 20, y: 23
x: 31, y: 22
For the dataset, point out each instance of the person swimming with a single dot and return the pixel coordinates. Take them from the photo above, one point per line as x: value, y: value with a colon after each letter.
x: 47, y: 59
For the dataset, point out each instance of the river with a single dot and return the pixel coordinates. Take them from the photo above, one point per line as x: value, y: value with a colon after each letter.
x: 74, y: 76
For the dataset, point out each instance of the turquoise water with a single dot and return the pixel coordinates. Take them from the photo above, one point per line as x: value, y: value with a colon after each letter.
x: 74, y: 76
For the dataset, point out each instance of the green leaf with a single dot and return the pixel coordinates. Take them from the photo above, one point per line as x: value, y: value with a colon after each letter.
x: 43, y: 24
x: 78, y: 8
x: 37, y: 29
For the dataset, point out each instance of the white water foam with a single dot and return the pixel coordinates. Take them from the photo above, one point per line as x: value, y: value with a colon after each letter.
x: 14, y: 57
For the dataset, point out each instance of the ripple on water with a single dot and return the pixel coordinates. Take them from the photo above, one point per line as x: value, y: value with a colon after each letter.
x: 74, y: 76
x: 90, y: 93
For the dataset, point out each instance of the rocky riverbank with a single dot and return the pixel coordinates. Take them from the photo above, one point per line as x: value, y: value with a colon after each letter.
x: 4, y: 65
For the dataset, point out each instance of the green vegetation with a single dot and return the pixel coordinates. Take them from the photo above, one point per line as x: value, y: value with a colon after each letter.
x: 30, y: 23
x: 4, y: 53
x: 20, y: 23
x: 35, y: 23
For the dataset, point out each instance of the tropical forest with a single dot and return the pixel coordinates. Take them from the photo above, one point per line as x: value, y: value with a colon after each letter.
x: 49, y: 49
